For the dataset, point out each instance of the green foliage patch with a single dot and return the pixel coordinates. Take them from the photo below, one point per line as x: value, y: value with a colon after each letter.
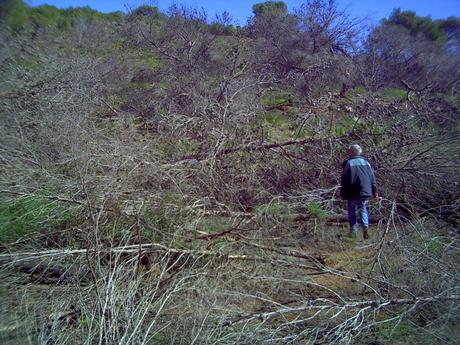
x: 27, y: 215
x: 358, y: 90
x: 315, y: 211
x: 453, y: 99
x: 274, y: 118
x: 352, y: 123
x: 145, y: 12
x: 275, y: 208
x: 278, y: 126
x: 14, y: 13
x: 276, y: 98
x: 344, y: 126
x: 392, y: 333
x: 393, y: 94
x: 270, y: 8
x: 19, y: 16
x: 426, y: 242
x: 188, y: 146
x: 434, y: 30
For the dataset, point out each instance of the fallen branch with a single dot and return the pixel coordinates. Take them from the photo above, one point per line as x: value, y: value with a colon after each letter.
x: 47, y: 271
x: 377, y: 304
x: 6, y: 259
x: 222, y: 213
x: 249, y: 148
x: 335, y: 218
x: 317, y: 259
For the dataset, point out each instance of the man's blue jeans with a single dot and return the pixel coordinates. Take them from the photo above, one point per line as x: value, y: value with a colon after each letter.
x: 359, y: 205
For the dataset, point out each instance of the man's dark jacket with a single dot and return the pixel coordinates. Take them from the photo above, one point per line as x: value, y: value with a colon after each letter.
x: 358, y: 179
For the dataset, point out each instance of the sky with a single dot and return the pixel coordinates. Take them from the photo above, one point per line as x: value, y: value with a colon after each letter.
x: 240, y: 10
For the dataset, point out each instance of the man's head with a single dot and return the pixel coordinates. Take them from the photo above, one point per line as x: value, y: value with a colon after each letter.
x: 355, y: 150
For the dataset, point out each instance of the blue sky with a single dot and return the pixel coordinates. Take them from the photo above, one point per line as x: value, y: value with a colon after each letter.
x: 241, y: 9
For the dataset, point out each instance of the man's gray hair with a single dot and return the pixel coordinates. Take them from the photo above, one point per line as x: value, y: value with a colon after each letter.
x: 356, y: 149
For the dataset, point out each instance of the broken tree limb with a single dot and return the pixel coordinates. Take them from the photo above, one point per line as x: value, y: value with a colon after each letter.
x: 26, y: 261
x: 249, y: 148
x: 317, y: 259
x: 222, y: 213
x: 328, y: 305
x: 146, y: 247
x: 9, y: 258
x: 335, y: 218
x: 45, y: 270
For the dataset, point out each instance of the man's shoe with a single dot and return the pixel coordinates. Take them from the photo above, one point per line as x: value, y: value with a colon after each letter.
x: 365, y: 234
x: 354, y: 232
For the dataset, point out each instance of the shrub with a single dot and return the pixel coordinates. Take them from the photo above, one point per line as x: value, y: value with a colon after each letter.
x: 315, y: 211
x: 146, y: 11
x: 14, y: 13
x: 45, y: 15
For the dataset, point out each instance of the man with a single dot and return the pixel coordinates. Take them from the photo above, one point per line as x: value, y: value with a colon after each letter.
x: 358, y: 185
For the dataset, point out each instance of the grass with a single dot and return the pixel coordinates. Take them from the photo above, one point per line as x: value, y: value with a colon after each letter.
x: 347, y: 124
x: 278, y: 127
x: 188, y: 146
x: 393, y: 94
x: 276, y: 98
x: 274, y: 118
x: 432, y: 245
x: 26, y: 215
x: 358, y: 90
x: 392, y: 333
x: 453, y: 99
x: 166, y: 222
x: 275, y: 208
x: 145, y: 59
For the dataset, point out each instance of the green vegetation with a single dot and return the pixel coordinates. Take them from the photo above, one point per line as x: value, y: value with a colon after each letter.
x: 277, y: 98
x: 270, y: 8
x: 14, y: 13
x: 345, y: 125
x: 393, y: 95
x: 453, y: 99
x: 275, y: 208
x: 26, y: 215
x: 394, y: 333
x: 435, y: 30
x: 433, y: 245
x: 315, y: 211
x: 18, y: 16
x: 358, y: 90
x: 188, y: 146
x: 277, y: 122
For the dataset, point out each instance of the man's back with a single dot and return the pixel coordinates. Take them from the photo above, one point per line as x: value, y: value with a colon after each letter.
x: 358, y: 178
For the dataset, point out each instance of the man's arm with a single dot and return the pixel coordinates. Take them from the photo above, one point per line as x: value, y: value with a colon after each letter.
x: 374, y: 184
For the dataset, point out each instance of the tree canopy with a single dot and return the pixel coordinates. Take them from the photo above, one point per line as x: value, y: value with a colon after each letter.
x: 270, y: 8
